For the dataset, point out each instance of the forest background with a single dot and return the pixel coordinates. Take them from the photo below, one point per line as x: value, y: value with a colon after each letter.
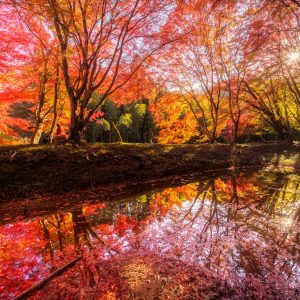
x: 143, y: 71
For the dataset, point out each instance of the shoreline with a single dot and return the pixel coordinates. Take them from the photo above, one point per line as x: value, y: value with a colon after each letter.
x: 29, y: 171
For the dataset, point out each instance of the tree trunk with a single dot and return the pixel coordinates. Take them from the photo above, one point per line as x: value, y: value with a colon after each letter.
x: 36, y: 136
x: 39, y: 116
x: 55, y: 102
x: 75, y: 133
x: 282, y: 133
x: 235, y: 132
x: 118, y: 132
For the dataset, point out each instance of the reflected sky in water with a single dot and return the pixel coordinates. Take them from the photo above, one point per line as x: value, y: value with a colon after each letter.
x: 232, y: 237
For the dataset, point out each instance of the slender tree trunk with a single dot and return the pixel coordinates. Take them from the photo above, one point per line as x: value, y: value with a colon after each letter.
x: 118, y: 132
x: 39, y: 120
x: 39, y: 116
x: 55, y: 101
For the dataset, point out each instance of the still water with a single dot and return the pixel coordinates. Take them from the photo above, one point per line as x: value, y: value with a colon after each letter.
x: 228, y: 237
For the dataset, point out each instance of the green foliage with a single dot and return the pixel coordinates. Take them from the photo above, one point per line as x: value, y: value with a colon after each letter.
x: 133, y: 121
x: 105, y: 124
x: 126, y: 120
x: 140, y: 110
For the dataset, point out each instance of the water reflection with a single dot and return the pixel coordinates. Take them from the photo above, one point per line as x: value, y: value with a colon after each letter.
x: 234, y: 237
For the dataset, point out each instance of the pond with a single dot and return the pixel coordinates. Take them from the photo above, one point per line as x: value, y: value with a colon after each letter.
x: 226, y: 237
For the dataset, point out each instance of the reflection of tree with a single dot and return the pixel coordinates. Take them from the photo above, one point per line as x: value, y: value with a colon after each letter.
x: 277, y: 211
x: 212, y: 215
x: 241, y: 230
x: 202, y: 190
x: 82, y: 228
x: 47, y: 238
x: 229, y: 226
x: 237, y: 225
x: 271, y: 216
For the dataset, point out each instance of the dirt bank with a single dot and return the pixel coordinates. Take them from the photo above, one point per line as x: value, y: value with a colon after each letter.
x: 28, y: 171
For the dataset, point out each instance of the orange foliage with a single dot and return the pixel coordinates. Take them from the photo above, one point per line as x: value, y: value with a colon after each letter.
x: 175, y: 122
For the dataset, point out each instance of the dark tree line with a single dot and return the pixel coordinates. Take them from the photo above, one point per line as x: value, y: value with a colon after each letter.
x: 127, y: 123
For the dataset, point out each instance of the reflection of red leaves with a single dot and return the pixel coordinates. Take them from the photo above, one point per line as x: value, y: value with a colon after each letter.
x: 89, y: 210
x: 105, y: 229
x: 144, y: 274
x: 185, y: 249
x: 123, y: 223
x: 242, y: 186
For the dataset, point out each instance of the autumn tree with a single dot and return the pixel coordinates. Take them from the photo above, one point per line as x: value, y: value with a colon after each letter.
x: 174, y: 119
x: 236, y: 61
x: 102, y: 44
x: 274, y: 88
x: 13, y: 54
x: 196, y: 73
x: 35, y: 79
x: 48, y: 84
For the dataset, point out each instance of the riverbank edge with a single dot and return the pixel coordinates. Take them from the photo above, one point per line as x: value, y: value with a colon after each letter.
x: 27, y: 171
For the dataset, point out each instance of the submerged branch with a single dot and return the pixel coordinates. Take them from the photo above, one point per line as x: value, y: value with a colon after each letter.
x: 37, y: 286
